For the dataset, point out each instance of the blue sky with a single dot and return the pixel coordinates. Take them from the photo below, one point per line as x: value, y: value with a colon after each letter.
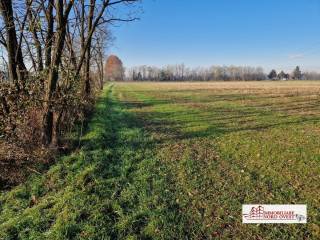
x: 276, y: 34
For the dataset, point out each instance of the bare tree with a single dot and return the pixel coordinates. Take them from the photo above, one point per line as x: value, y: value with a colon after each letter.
x: 16, y: 66
x: 62, y: 15
x: 56, y: 40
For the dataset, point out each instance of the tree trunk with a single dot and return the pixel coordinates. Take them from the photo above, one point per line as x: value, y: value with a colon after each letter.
x: 47, y: 125
x: 54, y: 70
x: 87, y: 89
x: 57, y: 118
x: 16, y: 67
x: 49, y: 37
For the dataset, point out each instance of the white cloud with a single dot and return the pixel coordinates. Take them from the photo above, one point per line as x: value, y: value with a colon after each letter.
x: 296, y: 56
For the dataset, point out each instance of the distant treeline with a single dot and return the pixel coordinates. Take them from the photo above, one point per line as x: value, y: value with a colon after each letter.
x: 215, y: 73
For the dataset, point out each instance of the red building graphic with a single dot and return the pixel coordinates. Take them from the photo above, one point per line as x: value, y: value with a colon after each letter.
x: 255, y: 213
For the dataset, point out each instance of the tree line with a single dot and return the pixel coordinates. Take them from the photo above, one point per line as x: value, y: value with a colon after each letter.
x: 52, y: 62
x: 180, y: 72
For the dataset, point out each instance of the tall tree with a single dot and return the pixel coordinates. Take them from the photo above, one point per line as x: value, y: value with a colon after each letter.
x: 61, y: 18
x: 16, y: 66
x: 87, y: 87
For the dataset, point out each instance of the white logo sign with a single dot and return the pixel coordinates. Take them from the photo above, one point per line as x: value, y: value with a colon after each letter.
x: 256, y: 213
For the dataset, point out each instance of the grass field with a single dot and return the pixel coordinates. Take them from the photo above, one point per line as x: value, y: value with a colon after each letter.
x: 234, y: 143
x: 177, y: 161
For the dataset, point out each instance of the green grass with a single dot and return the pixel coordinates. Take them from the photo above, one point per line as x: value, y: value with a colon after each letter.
x: 177, y: 161
x: 230, y: 144
x: 113, y: 188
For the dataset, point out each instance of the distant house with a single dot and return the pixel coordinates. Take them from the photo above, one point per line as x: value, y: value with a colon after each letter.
x: 286, y: 77
x: 283, y: 76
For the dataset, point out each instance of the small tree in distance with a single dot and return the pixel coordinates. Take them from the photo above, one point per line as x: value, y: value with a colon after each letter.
x: 273, y: 74
x: 297, y: 74
x: 114, y: 69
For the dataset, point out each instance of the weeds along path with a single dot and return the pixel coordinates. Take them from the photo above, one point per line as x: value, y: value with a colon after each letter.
x: 113, y: 188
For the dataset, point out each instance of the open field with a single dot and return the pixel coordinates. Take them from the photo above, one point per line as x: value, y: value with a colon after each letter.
x: 177, y: 161
x: 234, y: 143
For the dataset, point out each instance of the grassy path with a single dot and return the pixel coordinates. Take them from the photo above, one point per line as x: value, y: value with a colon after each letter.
x: 113, y: 188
